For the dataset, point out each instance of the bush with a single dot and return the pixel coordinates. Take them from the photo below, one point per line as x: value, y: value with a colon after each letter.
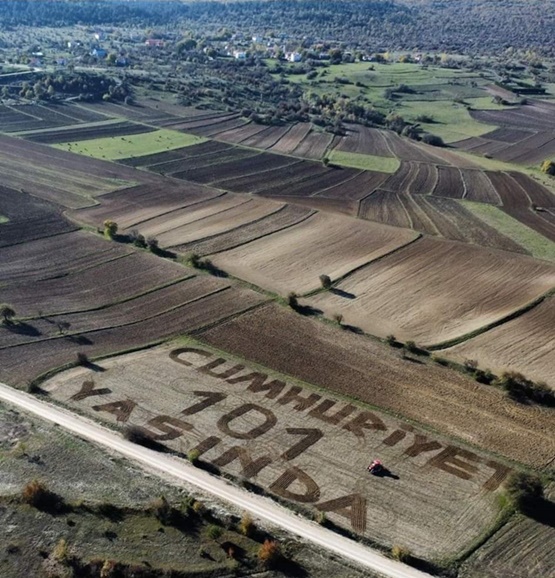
x: 525, y: 491
x: 293, y: 300
x: 440, y: 360
x: 246, y: 525
x: 433, y: 140
x: 411, y: 346
x: 36, y: 494
x: 391, y: 339
x: 400, y: 553
x: 325, y: 281
x: 7, y: 312
x: 162, y: 510
x: 110, y: 229
x: 470, y: 365
x: 270, y: 553
x: 193, y: 456
x: 214, y: 532
x: 548, y: 167
x: 521, y: 389
x: 338, y: 318
x: 82, y: 358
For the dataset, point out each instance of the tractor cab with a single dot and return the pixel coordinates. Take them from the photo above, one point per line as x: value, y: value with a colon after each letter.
x: 376, y: 468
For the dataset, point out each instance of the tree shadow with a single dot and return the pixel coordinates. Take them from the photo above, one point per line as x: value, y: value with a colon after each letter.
x: 291, y: 568
x: 413, y: 360
x: 541, y: 511
x: 79, y: 339
x: 353, y: 329
x: 341, y: 293
x: 308, y: 310
x: 22, y: 328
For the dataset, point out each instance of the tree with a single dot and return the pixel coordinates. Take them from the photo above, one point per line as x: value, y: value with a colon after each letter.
x: 293, y: 300
x: 548, y: 167
x: 433, y: 140
x: 338, y: 318
x: 7, y: 312
x: 110, y: 229
x: 325, y: 281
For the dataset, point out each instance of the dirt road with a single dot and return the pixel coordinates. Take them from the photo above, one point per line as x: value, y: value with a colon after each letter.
x: 259, y: 507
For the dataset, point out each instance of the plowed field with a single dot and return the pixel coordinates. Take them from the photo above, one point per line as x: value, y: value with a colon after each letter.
x: 434, y: 290
x: 292, y: 260
x: 450, y: 183
x: 296, y: 449
x: 346, y: 363
x: 525, y: 344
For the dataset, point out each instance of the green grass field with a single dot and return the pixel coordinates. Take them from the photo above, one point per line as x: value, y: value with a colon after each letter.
x: 114, y: 148
x: 536, y: 244
x: 365, y: 162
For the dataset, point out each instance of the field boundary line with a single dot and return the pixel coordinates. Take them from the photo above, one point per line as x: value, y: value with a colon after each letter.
x: 418, y: 236
x: 311, y: 213
x: 117, y: 326
x: 360, y: 171
x: 230, y: 316
x: 493, y: 325
x: 232, y: 230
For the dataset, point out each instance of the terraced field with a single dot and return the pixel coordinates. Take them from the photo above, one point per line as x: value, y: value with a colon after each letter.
x: 434, y: 290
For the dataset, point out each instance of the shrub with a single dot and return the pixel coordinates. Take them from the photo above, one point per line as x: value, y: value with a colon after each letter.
x: 36, y: 494
x: 470, y: 365
x: 391, y: 339
x: 152, y: 244
x: 293, y: 300
x: 61, y: 551
x: 214, y: 532
x: 7, y: 312
x: 246, y: 525
x: 193, y: 456
x: 82, y: 358
x: 326, y: 161
x: 110, y: 229
x: 433, y: 140
x: 325, y: 281
x: 524, y: 490
x: 137, y: 435
x: 108, y: 569
x: 338, y: 318
x: 162, y: 510
x: 411, y: 346
x: 521, y: 389
x: 270, y: 553
x: 400, y: 553
x: 548, y: 167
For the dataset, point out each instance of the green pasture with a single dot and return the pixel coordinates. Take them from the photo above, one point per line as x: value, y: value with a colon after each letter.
x: 364, y: 162
x: 536, y: 244
x: 114, y: 148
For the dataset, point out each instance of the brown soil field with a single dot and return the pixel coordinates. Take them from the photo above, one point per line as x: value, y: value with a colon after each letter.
x: 251, y: 183
x: 231, y: 178
x: 385, y: 207
x: 401, y: 180
x: 479, y: 188
x: 516, y: 203
x: 238, y: 135
x: 291, y: 448
x: 136, y: 309
x: 285, y: 217
x: 267, y: 138
x: 530, y: 117
x: 23, y: 363
x: 523, y: 548
x: 406, y: 150
x: 536, y: 192
x: 29, y: 218
x: 469, y: 144
x: 355, y: 188
x: 291, y: 140
x: 293, y: 259
x: 26, y: 262
x: 214, y: 130
x: 320, y: 182
x: 213, y: 170
x: 206, y: 147
x: 36, y: 117
x: 525, y: 344
x: 364, y: 140
x: 123, y: 277
x: 450, y: 183
x: 136, y: 112
x: 508, y: 135
x: 536, y: 156
x: 169, y: 221
x: 133, y: 205
x: 199, y: 123
x: 314, y: 145
x: 78, y: 133
x: 435, y: 290
x: 288, y: 177
x: 364, y: 369
x: 231, y: 157
x: 425, y: 181
x: 341, y: 206
x: 250, y: 212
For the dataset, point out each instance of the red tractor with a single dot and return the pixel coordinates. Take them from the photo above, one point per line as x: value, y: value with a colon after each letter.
x: 376, y: 468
